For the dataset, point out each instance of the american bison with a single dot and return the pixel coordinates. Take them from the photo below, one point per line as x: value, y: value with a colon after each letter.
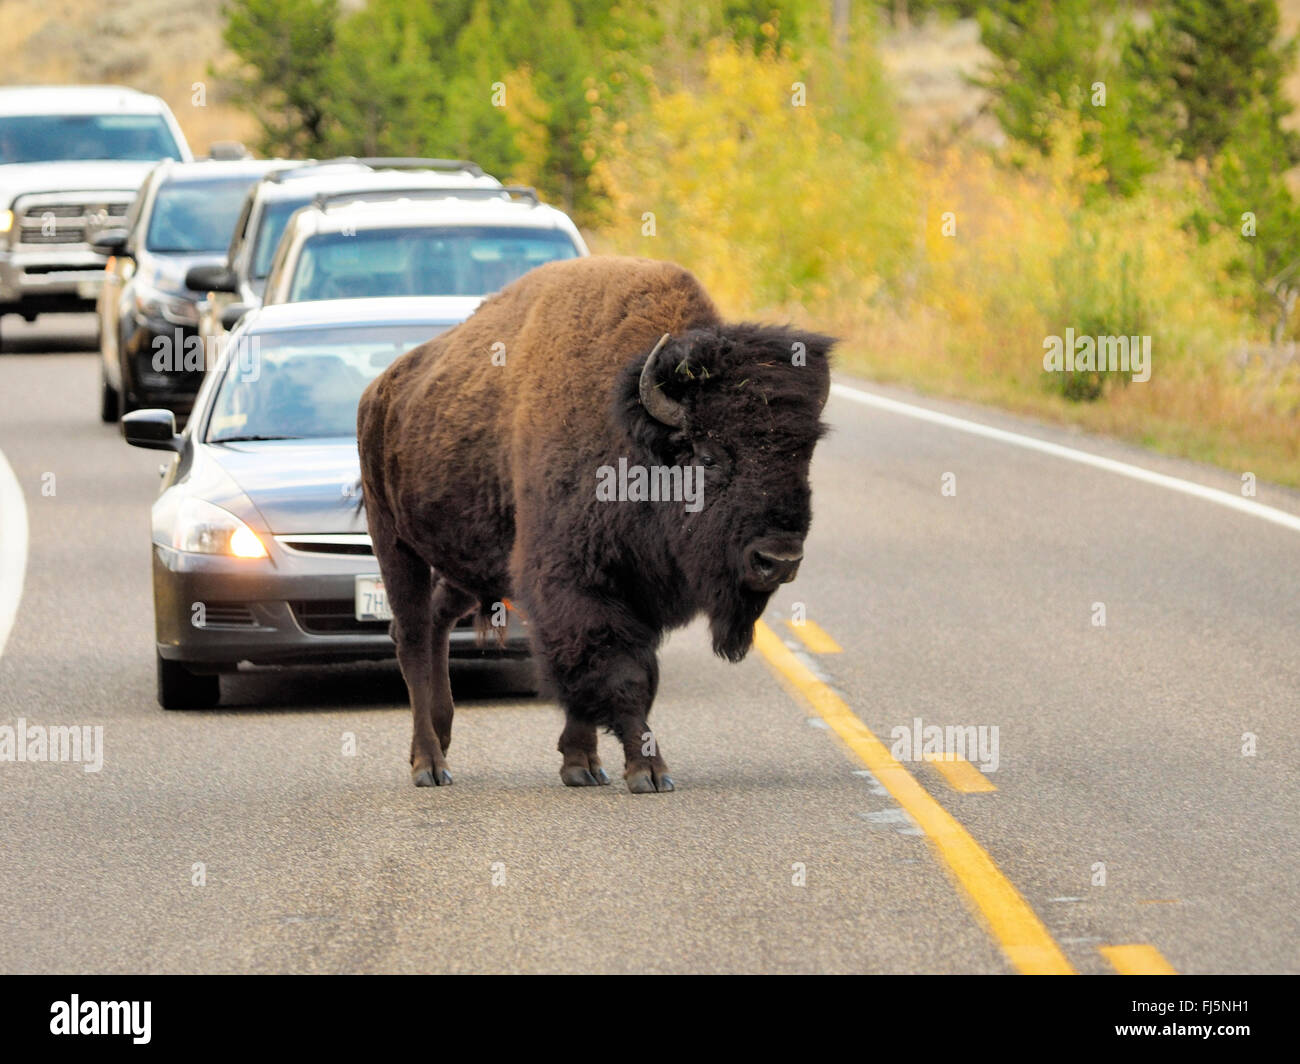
x: 489, y: 457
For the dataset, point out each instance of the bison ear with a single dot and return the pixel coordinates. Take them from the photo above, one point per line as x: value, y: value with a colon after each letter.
x: 816, y: 349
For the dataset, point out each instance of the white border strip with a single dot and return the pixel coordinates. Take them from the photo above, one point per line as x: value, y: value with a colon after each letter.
x: 13, y: 548
x: 1030, y: 443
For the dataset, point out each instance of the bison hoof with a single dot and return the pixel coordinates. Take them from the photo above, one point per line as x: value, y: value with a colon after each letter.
x: 643, y: 781
x: 579, y: 776
x: 430, y: 777
x: 584, y: 775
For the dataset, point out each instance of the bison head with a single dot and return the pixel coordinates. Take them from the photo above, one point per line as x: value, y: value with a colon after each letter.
x: 741, y: 406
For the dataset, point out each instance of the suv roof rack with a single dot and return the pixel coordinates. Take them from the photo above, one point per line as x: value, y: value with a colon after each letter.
x: 325, y: 200
x: 398, y: 162
x: 305, y: 169
x: 380, y: 162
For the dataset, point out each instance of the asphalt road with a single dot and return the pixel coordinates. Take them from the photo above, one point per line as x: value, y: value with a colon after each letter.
x: 1118, y: 745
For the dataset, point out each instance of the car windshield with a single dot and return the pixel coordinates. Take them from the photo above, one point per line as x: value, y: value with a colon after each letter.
x: 275, y: 216
x: 67, y: 138
x: 196, y: 216
x: 296, y: 384
x: 422, y: 261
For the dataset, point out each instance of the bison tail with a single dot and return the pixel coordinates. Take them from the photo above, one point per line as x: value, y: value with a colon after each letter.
x: 490, y: 622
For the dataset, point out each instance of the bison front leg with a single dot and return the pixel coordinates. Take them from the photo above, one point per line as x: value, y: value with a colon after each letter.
x: 581, y: 767
x: 645, y: 770
x: 614, y: 690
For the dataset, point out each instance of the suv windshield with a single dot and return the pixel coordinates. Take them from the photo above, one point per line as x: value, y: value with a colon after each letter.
x: 196, y: 216
x: 463, y: 260
x: 307, y: 382
x: 68, y: 138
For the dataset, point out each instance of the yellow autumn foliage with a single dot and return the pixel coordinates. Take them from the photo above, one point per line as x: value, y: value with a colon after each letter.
x: 946, y: 271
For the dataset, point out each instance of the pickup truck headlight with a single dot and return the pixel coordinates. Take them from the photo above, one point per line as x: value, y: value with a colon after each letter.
x: 154, y: 303
x: 203, y: 528
x: 6, y: 221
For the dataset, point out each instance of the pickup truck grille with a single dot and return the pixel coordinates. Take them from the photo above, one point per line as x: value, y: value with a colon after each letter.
x: 67, y: 219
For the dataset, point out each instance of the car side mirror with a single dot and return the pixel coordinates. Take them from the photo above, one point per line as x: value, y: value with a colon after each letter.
x: 110, y: 242
x: 230, y: 315
x: 211, y: 279
x: 154, y: 430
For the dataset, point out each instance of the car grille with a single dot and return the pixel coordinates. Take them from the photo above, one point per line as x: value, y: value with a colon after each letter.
x: 347, y: 543
x: 67, y: 219
x: 338, y: 617
x: 334, y: 617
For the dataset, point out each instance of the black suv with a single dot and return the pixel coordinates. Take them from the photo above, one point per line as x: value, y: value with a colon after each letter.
x: 148, y: 318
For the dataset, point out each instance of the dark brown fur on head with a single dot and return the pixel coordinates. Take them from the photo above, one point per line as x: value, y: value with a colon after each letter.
x: 751, y: 398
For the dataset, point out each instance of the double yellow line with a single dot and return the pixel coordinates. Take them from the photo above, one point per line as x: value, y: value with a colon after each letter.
x: 1026, y: 942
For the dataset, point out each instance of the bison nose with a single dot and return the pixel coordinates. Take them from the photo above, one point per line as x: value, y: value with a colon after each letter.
x: 768, y: 566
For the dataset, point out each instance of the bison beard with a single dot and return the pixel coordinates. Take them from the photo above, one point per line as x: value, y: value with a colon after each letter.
x: 480, y: 484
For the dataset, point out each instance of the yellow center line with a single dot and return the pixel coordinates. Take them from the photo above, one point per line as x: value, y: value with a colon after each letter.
x: 814, y: 637
x: 1022, y: 937
x: 961, y: 774
x: 1138, y: 959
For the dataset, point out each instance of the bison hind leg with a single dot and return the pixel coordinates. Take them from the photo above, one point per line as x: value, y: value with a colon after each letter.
x: 424, y: 613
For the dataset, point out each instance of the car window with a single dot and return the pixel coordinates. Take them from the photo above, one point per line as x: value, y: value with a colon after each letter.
x: 275, y: 217
x: 66, y: 138
x: 306, y: 383
x: 422, y: 261
x: 195, y: 216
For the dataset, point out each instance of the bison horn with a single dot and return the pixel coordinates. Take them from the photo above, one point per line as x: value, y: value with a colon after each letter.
x: 656, y: 404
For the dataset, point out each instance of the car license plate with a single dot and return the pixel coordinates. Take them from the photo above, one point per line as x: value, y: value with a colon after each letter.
x: 372, y: 600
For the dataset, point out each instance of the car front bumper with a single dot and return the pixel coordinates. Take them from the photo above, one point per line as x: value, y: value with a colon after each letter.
x: 47, y: 279
x: 164, y: 362
x: 214, y: 612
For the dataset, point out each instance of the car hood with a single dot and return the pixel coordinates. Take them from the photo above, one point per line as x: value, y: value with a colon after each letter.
x: 298, y: 486
x: 17, y: 179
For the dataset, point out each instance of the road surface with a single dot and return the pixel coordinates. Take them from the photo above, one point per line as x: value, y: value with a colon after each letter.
x: 1122, y: 827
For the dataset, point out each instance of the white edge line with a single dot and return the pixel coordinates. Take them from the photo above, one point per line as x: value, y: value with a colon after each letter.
x: 13, y: 548
x: 1124, y: 469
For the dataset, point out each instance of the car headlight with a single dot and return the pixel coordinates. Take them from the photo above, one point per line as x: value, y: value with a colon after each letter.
x: 202, y: 528
x: 6, y: 221
x: 154, y: 303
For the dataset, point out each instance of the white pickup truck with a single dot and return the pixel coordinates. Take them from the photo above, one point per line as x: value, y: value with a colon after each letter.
x: 71, y: 162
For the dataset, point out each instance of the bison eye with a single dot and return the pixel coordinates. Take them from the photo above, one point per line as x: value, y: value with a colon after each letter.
x: 711, y: 456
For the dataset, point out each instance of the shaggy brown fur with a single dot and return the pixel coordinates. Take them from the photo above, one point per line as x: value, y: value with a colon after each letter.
x: 487, y: 474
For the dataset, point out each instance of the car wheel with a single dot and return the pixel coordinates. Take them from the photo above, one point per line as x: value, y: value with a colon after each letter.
x: 108, y: 399
x: 178, y: 688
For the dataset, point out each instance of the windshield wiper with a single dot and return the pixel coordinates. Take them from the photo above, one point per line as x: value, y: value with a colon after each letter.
x: 253, y: 439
